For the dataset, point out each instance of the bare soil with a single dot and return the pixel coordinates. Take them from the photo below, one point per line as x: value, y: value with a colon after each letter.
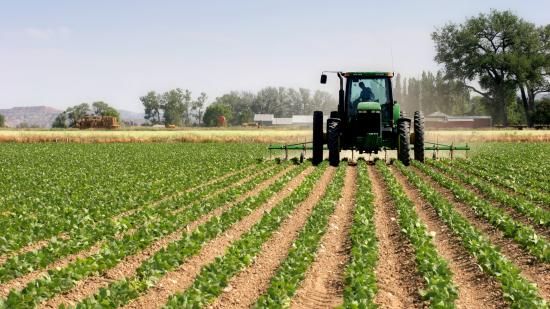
x: 180, y: 193
x: 245, y: 288
x: 128, y: 265
x: 323, y: 286
x: 397, y: 280
x: 476, y: 289
x: 20, y: 282
x: 533, y: 270
x: 31, y: 247
x: 185, y: 274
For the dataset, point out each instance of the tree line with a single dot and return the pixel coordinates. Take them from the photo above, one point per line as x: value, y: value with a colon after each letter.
x: 432, y: 92
x: 176, y: 107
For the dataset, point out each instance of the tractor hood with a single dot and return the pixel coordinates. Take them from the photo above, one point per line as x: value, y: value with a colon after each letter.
x: 368, y: 106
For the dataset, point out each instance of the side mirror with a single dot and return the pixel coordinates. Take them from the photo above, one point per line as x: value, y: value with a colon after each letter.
x: 323, y: 78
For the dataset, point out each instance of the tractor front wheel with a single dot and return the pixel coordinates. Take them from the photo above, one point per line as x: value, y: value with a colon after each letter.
x: 403, y: 143
x: 419, y: 136
x: 333, y: 141
x: 317, y: 138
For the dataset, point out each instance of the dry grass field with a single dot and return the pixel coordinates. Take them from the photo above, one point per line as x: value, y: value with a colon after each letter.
x: 262, y: 135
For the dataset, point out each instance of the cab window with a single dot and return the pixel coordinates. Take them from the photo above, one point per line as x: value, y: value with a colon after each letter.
x: 368, y: 90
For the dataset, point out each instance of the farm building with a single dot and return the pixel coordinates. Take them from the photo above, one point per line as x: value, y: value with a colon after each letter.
x: 271, y: 120
x: 263, y: 119
x: 282, y: 121
x: 439, y: 120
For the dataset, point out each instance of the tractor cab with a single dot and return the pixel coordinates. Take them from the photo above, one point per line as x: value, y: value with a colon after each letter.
x: 367, y: 120
x: 370, y: 105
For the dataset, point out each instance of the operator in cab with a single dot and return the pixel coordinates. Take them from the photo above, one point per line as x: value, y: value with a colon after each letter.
x: 366, y: 95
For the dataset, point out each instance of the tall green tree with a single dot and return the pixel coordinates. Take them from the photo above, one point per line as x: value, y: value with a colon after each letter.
x: 531, y: 67
x: 187, y: 105
x: 77, y: 112
x: 60, y: 121
x: 173, y: 107
x: 213, y: 111
x: 483, y: 49
x: 101, y: 108
x: 152, y: 104
x: 197, y: 107
x: 2, y: 121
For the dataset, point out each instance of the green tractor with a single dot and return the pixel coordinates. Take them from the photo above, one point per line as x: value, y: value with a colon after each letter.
x: 368, y: 120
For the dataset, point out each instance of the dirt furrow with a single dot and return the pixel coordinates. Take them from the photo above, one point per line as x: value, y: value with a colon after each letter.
x: 533, y: 270
x: 180, y: 193
x: 183, y: 276
x: 63, y: 236
x: 397, y: 280
x: 128, y: 265
x: 475, y: 288
x: 245, y: 288
x: 31, y: 247
x: 21, y: 282
x: 323, y: 286
x: 508, y: 209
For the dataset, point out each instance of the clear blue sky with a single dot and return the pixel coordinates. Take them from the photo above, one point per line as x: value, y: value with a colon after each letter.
x: 61, y: 53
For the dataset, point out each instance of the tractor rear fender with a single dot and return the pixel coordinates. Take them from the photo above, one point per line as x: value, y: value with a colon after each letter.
x: 396, y: 112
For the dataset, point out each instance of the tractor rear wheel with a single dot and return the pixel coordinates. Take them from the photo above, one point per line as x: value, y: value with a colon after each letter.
x: 317, y: 138
x: 333, y: 141
x: 403, y: 143
x: 419, y: 136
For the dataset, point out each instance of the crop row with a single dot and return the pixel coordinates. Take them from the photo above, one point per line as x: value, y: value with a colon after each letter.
x: 78, y: 187
x: 523, y: 235
x: 360, y: 277
x: 215, y: 276
x: 518, y: 163
x: 83, y: 237
x: 114, y: 251
x: 503, y: 178
x: 150, y: 271
x: 440, y: 290
x: 518, y: 291
x: 291, y: 272
x: 539, y: 215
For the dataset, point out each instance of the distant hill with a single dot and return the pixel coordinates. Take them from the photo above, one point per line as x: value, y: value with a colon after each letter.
x: 40, y: 116
x: 43, y: 116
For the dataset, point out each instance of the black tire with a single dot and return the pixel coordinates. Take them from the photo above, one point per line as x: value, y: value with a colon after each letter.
x: 333, y: 133
x: 419, y: 136
x: 317, y: 138
x: 403, y: 143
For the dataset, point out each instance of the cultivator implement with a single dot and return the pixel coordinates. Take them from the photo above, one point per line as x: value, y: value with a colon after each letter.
x: 429, y: 146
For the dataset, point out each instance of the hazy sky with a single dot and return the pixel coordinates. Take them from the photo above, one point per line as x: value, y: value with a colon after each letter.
x: 61, y: 53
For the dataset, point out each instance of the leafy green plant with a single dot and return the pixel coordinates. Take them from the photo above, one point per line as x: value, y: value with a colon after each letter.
x: 215, y: 276
x: 360, y: 277
x: 83, y: 237
x: 518, y: 291
x: 537, y: 214
x: 114, y: 251
x: 525, y: 236
x: 165, y: 260
x: 440, y: 290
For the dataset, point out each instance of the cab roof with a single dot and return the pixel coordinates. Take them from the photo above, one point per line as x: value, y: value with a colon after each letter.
x: 368, y: 74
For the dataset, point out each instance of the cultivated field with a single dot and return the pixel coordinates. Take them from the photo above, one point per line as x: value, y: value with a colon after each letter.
x: 143, y: 225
